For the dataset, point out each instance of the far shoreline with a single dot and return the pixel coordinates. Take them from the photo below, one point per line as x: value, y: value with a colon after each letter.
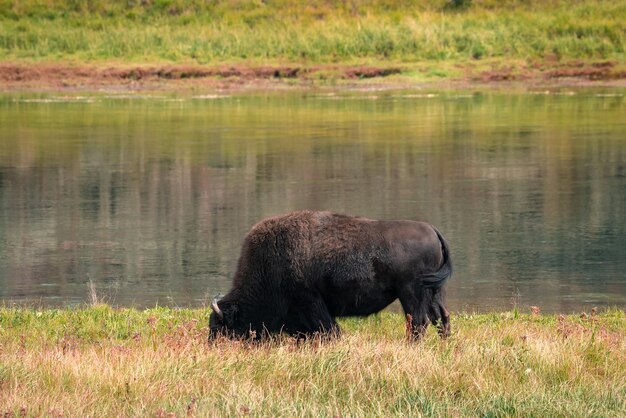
x: 66, y: 77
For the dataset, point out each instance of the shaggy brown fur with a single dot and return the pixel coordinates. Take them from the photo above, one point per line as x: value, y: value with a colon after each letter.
x: 299, y: 271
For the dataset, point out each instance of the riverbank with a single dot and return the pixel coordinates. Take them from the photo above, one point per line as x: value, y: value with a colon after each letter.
x: 254, y: 45
x: 241, y: 78
x: 125, y: 362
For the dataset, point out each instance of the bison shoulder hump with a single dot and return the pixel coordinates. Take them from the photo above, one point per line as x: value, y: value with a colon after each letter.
x: 288, y: 227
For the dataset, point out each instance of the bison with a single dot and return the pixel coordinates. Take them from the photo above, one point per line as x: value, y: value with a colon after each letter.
x: 299, y: 271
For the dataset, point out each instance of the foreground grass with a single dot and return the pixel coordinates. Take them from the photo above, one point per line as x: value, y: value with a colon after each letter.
x: 109, y: 362
x: 316, y: 31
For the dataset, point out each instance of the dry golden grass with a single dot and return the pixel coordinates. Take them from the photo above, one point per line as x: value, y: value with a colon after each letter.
x: 101, y: 361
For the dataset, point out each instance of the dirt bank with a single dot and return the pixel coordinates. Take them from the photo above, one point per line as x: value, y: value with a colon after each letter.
x: 64, y: 77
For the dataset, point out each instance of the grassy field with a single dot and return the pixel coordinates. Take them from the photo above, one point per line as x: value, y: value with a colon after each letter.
x: 100, y: 361
x: 313, y: 32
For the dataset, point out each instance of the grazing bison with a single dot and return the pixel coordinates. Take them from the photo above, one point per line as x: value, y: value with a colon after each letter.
x: 298, y: 272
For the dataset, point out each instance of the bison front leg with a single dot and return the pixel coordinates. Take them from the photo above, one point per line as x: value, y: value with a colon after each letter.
x: 309, y: 315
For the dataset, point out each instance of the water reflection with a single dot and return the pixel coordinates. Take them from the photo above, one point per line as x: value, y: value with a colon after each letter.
x: 150, y: 198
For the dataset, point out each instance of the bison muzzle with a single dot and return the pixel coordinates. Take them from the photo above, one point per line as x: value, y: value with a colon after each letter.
x: 299, y: 271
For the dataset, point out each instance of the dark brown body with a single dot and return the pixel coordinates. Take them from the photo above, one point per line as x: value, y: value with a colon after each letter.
x: 298, y: 272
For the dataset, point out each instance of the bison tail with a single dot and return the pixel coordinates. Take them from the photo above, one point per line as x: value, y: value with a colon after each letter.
x: 437, y: 278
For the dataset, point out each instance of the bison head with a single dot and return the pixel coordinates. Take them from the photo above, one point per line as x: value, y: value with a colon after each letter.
x: 223, y: 320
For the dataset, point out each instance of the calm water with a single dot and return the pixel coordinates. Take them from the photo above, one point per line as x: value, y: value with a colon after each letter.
x: 148, y: 198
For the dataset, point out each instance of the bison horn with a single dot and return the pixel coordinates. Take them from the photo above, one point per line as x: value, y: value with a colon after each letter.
x: 217, y: 309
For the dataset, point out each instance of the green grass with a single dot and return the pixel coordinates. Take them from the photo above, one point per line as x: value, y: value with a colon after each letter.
x: 100, y: 361
x: 316, y: 31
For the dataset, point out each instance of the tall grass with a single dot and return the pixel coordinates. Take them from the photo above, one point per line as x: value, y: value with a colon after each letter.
x: 107, y: 362
x: 310, y: 32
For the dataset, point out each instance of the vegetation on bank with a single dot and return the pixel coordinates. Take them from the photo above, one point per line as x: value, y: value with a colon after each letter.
x: 316, y: 31
x: 124, y: 362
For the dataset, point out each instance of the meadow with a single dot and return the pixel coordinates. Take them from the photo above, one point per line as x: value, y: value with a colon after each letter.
x: 255, y: 32
x: 104, y: 361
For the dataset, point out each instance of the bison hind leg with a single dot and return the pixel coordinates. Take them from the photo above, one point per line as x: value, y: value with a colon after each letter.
x: 424, y: 306
x: 439, y: 315
x: 444, y: 324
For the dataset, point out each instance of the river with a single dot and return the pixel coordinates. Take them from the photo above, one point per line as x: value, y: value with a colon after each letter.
x: 139, y: 200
